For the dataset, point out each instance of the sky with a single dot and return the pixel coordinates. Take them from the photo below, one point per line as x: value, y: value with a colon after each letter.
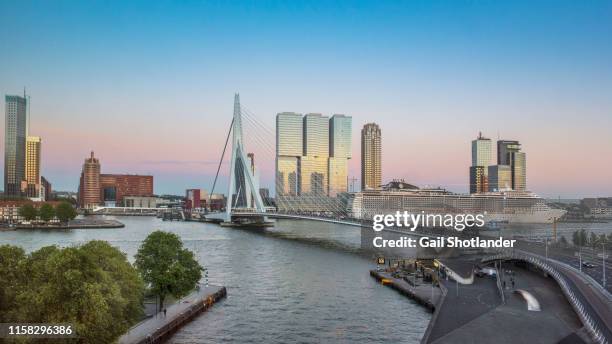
x: 149, y: 86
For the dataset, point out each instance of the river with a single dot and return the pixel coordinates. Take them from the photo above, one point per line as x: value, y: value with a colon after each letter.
x: 301, y: 281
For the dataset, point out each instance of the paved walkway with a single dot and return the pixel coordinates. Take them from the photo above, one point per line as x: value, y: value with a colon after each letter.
x: 141, y: 330
x: 477, y: 314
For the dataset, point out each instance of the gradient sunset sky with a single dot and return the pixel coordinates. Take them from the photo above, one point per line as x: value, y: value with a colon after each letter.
x: 149, y: 85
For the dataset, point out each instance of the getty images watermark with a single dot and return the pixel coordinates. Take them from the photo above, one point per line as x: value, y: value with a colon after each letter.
x: 429, y: 234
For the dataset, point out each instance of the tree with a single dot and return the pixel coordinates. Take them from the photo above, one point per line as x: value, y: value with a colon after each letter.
x: 27, y: 212
x: 166, y: 266
x: 594, y: 239
x: 65, y: 212
x: 10, y: 276
x: 46, y: 212
x: 576, y: 238
x: 93, y: 287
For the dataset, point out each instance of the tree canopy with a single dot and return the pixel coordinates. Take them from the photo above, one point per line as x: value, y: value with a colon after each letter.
x: 28, y: 212
x: 46, y: 212
x: 93, y: 287
x: 167, y: 267
x: 65, y: 212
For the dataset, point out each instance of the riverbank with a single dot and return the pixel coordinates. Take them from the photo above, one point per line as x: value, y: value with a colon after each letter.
x: 159, y: 328
x: 84, y: 223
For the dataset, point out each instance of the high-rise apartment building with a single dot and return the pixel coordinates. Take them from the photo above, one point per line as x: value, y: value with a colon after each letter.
x: 371, y: 177
x: 340, y: 138
x: 481, y: 159
x: 500, y: 178
x: 479, y: 179
x: 314, y: 176
x: 15, y: 131
x: 289, y: 150
x: 518, y: 165
x: 509, y: 153
x: 312, y: 153
x: 32, y: 167
x: 89, y: 185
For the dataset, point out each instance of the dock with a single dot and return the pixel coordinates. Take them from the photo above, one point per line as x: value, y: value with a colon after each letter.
x: 425, y: 294
x: 160, y: 327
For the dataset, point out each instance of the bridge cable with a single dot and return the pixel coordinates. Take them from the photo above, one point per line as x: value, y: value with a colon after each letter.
x: 220, y: 161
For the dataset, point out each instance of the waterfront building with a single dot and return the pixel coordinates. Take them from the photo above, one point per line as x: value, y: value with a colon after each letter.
x: 509, y: 153
x: 313, y: 174
x: 46, y: 187
x: 33, y: 187
x: 371, y: 163
x: 312, y: 153
x: 340, y: 138
x: 110, y: 189
x: 500, y: 178
x: 9, y: 210
x: 481, y: 159
x: 479, y: 179
x: 115, y: 187
x: 481, y: 151
x: 140, y: 201
x: 289, y: 150
x: 196, y: 199
x: 15, y: 132
x: 89, y: 184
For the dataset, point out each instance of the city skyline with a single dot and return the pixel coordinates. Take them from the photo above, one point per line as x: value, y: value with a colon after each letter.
x: 471, y: 67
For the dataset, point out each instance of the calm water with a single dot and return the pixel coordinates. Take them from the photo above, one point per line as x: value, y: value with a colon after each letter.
x: 300, y: 281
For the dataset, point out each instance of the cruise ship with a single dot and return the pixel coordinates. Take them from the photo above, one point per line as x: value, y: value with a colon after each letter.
x: 498, y: 207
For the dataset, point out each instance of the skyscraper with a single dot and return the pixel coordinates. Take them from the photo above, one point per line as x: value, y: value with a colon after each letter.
x: 32, y: 167
x: 504, y: 148
x: 314, y: 163
x: 518, y: 165
x: 289, y: 150
x: 509, y: 153
x: 14, y: 144
x: 500, y: 177
x: 481, y: 159
x: 340, y: 137
x: 89, y: 186
x: 371, y: 177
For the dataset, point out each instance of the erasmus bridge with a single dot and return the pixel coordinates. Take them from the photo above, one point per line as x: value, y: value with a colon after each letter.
x: 245, y: 205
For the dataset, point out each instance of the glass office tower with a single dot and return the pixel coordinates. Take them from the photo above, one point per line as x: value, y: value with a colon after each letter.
x: 14, y: 144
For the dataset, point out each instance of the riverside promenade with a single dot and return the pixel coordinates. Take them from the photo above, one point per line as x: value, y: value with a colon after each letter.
x: 491, y: 309
x: 160, y: 327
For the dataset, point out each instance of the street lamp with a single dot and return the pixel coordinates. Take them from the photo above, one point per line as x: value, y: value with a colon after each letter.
x: 603, y: 263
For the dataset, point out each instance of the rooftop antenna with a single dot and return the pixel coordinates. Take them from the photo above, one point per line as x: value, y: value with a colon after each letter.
x: 28, y: 109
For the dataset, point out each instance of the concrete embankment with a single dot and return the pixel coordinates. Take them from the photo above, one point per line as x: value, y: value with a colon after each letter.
x: 424, y: 294
x: 159, y: 328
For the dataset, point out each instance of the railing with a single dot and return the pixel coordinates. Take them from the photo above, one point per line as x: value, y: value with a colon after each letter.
x: 592, y: 327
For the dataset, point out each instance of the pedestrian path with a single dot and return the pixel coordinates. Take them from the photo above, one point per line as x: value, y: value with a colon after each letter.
x: 159, y: 327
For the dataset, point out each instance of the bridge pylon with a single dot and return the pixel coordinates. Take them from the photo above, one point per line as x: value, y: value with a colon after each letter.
x: 243, y: 185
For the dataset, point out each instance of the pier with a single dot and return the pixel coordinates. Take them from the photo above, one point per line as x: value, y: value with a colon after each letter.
x: 160, y: 327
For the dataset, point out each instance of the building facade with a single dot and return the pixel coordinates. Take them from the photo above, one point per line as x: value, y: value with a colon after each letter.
x: 509, y: 153
x: 500, y: 178
x: 33, y: 187
x: 481, y: 159
x: 89, y: 184
x: 371, y: 154
x: 15, y: 131
x: 97, y: 189
x: 340, y: 139
x: 312, y: 153
x: 289, y: 150
x: 479, y: 179
x: 47, y: 188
